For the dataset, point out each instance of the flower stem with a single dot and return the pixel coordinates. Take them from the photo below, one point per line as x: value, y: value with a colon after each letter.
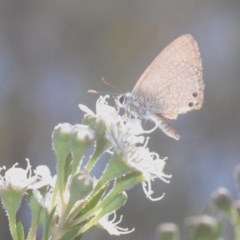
x: 13, y: 227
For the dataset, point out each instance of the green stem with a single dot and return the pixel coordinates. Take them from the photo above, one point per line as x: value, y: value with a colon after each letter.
x: 235, y: 219
x: 13, y: 226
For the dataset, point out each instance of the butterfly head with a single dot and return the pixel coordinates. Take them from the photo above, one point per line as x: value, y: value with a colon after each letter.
x: 123, y: 100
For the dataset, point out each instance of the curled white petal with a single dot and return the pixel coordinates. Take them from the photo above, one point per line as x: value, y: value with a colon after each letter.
x: 111, y: 225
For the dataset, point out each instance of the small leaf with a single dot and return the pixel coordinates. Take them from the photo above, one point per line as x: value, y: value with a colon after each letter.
x: 88, y: 209
x: 72, y: 233
x: 116, y: 167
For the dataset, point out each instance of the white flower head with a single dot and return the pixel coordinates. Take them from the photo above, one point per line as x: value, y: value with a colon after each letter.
x: 119, y: 129
x: 20, y: 179
x: 126, y: 136
x: 104, y: 111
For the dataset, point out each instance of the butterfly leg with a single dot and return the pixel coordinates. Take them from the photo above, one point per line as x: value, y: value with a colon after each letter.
x: 165, y: 126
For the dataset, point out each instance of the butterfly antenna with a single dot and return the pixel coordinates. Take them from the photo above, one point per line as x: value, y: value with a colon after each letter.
x: 110, y: 85
x: 97, y: 92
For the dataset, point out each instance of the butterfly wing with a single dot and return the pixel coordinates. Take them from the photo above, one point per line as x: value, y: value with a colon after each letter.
x: 172, y: 84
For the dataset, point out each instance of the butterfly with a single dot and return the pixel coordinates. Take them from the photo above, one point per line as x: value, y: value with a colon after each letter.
x: 171, y: 85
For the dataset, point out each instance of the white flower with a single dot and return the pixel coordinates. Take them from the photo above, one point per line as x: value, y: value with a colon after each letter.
x: 104, y: 112
x: 151, y: 166
x: 20, y: 179
x: 119, y: 130
x: 44, y: 200
x: 111, y: 226
x: 43, y: 173
x: 127, y: 138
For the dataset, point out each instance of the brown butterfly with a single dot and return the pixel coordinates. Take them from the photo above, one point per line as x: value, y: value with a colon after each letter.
x: 171, y: 85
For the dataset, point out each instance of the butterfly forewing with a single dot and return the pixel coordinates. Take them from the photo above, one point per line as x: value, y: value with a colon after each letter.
x: 172, y: 84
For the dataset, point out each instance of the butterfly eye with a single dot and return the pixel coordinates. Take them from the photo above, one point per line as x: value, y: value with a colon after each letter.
x: 121, y: 99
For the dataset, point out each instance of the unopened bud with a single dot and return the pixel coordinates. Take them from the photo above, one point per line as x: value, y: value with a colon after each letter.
x: 168, y: 231
x: 222, y: 200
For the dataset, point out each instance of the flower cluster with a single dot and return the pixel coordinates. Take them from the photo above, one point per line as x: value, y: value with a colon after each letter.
x: 74, y: 200
x: 127, y: 137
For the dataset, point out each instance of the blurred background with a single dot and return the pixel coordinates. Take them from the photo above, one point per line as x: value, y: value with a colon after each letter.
x: 52, y: 52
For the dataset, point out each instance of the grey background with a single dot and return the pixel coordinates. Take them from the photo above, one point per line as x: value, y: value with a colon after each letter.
x: 52, y: 52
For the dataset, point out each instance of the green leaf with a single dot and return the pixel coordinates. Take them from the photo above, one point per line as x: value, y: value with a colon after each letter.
x: 88, y: 209
x: 112, y: 205
x: 128, y: 181
x: 122, y: 184
x: 115, y: 168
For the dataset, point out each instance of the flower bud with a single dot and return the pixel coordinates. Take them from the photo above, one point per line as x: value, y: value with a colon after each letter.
x: 82, y: 138
x: 201, y: 227
x: 81, y: 185
x: 94, y: 123
x: 60, y: 140
x: 222, y: 200
x: 168, y: 231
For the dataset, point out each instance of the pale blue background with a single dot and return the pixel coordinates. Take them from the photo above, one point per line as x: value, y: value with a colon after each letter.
x: 52, y: 52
